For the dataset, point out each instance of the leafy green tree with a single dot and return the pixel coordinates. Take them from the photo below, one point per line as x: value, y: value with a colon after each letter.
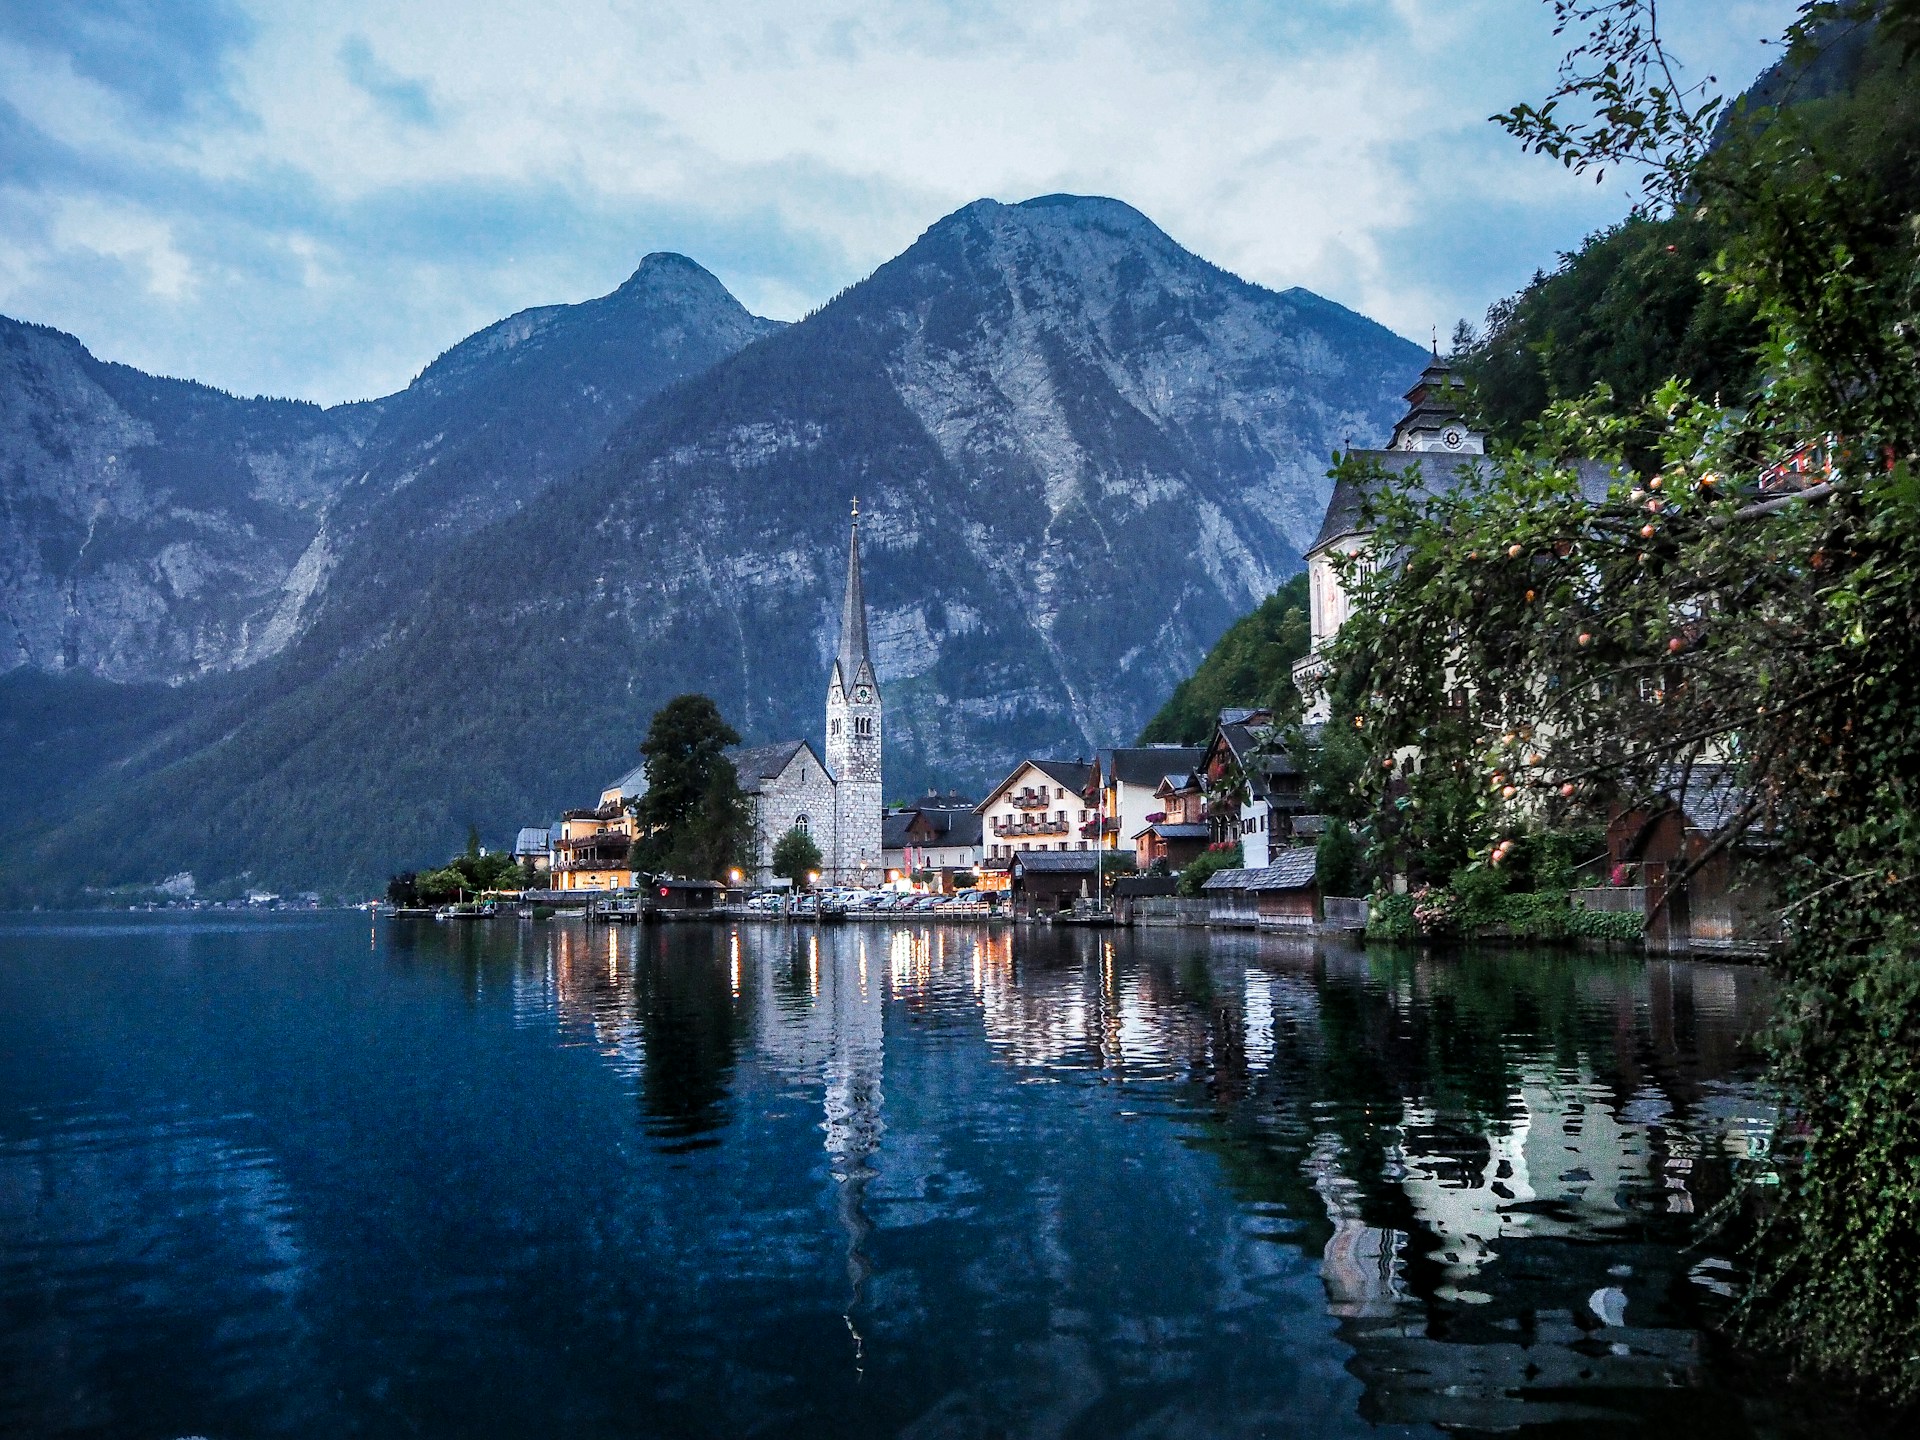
x: 796, y: 857
x: 443, y: 886
x: 1748, y: 595
x: 694, y: 818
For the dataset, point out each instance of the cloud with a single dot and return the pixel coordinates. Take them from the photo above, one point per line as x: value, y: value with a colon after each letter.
x: 336, y: 193
x: 164, y: 59
x: 404, y: 99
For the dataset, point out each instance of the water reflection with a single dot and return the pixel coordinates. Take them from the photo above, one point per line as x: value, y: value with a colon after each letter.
x: 958, y: 1181
x: 1494, y: 1158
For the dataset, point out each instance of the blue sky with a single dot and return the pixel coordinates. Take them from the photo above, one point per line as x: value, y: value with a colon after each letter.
x: 316, y: 199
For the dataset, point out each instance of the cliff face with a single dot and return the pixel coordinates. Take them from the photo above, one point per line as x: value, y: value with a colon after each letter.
x: 1080, y: 453
x: 154, y: 529
x: 159, y: 530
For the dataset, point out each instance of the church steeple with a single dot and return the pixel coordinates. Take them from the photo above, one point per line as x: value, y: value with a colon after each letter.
x: 853, y: 735
x: 1433, y: 420
x: 853, y: 618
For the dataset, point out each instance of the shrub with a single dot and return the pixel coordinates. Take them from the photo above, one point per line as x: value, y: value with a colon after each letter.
x: 1210, y: 862
x: 1390, y: 917
x: 1625, y: 926
x: 1535, y: 915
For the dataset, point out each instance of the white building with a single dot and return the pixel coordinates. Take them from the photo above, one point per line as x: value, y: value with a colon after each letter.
x: 1042, y: 805
x: 1124, y: 781
x: 836, y: 801
x: 1429, y: 448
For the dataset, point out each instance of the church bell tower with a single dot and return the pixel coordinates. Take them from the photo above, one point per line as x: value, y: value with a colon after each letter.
x: 853, y: 737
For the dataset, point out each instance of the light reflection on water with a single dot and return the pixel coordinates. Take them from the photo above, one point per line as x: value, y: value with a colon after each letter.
x: 505, y: 1179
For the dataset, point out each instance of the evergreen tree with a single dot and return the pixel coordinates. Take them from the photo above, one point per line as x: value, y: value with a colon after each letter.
x: 694, y: 818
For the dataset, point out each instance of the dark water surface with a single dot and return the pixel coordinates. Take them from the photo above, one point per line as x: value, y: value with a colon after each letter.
x: 330, y: 1176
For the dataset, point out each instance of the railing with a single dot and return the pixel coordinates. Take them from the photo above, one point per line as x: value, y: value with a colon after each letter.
x: 1004, y: 828
x: 600, y: 837
x: 1029, y: 800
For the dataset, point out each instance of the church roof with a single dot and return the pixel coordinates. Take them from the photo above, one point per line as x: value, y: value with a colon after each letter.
x: 756, y: 764
x: 853, y: 614
x: 1426, y: 472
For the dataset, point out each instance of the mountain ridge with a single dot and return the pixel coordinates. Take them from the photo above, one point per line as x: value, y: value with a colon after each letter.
x: 1081, y: 452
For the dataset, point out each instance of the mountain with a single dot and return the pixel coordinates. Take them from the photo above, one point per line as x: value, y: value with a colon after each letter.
x: 1250, y: 665
x: 158, y: 530
x: 1080, y: 453
x: 153, y: 528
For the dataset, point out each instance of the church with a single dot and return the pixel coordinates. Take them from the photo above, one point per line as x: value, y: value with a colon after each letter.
x: 836, y: 800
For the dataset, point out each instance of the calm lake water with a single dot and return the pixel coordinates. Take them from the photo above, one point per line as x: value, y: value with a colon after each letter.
x: 326, y: 1176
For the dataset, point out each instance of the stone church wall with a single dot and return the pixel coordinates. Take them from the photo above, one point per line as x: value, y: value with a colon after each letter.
x: 781, y: 803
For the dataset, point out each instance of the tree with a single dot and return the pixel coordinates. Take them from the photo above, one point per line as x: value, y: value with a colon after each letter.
x: 694, y: 818
x: 1336, y: 860
x: 1748, y: 595
x: 796, y: 857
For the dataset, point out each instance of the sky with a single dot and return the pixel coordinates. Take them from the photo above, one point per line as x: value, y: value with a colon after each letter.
x: 315, y: 199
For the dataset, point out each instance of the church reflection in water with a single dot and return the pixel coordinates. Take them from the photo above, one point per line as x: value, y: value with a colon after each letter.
x: 1498, y: 1161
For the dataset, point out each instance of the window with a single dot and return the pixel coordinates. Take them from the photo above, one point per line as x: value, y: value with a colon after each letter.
x: 833, y: 728
x: 863, y: 725
x: 801, y: 823
x: 1080, y: 845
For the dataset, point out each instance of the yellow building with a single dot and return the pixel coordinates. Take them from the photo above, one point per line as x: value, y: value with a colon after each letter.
x: 594, y: 849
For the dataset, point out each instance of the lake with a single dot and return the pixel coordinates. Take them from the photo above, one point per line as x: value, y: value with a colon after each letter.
x: 330, y: 1175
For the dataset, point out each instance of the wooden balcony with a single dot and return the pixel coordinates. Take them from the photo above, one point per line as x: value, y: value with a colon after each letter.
x: 1005, y: 829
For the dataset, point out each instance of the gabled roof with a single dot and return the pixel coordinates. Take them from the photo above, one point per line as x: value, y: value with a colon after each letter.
x: 1427, y: 472
x: 1070, y: 775
x: 1244, y: 744
x: 894, y: 825
x: 532, y: 840
x: 951, y: 827
x: 1147, y: 764
x: 1057, y: 862
x: 757, y: 764
x: 1291, y: 870
x: 630, y: 786
x: 1168, y: 831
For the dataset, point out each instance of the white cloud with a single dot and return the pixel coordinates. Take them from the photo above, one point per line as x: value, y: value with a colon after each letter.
x: 482, y: 158
x: 116, y: 231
